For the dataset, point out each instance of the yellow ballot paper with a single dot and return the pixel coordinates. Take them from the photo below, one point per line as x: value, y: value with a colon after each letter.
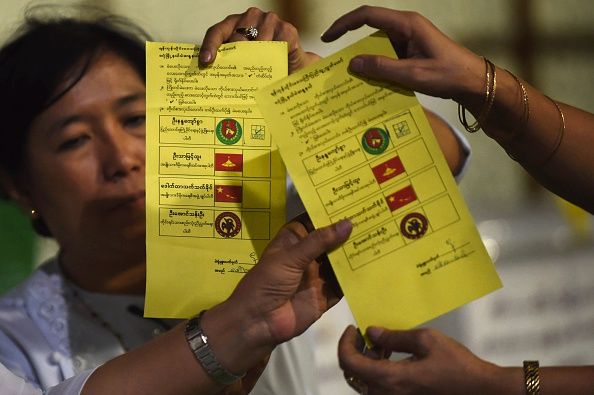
x: 215, y: 184
x: 365, y: 151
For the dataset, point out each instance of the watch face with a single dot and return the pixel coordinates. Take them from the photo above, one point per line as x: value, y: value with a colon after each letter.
x: 198, y: 343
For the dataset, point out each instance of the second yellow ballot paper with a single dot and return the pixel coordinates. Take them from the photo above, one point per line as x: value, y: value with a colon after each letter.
x: 215, y: 184
x: 365, y: 151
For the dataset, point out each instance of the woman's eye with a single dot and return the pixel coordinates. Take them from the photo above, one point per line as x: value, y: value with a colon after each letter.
x: 73, y: 143
x: 135, y: 121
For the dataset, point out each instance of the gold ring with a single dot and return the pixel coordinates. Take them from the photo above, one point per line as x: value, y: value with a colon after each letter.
x: 357, y: 384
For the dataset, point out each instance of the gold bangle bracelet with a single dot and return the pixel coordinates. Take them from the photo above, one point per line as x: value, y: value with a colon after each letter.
x: 558, y: 142
x: 491, y: 99
x: 560, y: 135
x: 532, y: 377
x: 525, y: 100
x: 525, y: 111
x: 490, y: 90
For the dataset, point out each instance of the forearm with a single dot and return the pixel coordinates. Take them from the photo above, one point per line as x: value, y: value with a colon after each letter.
x: 166, y: 365
x: 577, y: 380
x: 566, y: 170
x: 553, y: 381
x: 448, y: 142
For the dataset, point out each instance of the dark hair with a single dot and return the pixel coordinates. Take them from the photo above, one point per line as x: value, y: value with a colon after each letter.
x: 55, y: 44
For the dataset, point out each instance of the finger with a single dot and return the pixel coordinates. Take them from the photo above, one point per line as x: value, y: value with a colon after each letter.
x: 410, y: 341
x: 272, y: 27
x: 353, y: 362
x: 215, y: 36
x: 287, y: 32
x: 378, y: 17
x: 289, y: 235
x: 251, y: 17
x: 267, y: 27
x: 225, y: 31
x: 410, y: 73
x: 332, y: 288
x: 305, y: 220
x: 332, y: 297
x: 376, y: 67
x: 318, y: 242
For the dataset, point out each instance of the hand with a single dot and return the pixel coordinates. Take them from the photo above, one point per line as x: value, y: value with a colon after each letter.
x: 270, y: 28
x: 438, y: 364
x: 278, y: 299
x: 430, y: 62
x: 285, y: 292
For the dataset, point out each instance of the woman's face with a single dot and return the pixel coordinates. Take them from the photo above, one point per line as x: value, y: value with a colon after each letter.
x: 85, y: 160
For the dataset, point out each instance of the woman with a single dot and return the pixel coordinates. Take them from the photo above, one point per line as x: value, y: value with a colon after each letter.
x: 73, y: 155
x: 551, y: 140
x: 276, y: 301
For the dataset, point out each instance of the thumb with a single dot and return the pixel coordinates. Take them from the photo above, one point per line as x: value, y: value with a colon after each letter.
x: 379, y: 67
x: 318, y: 242
x: 408, y: 341
x: 415, y: 74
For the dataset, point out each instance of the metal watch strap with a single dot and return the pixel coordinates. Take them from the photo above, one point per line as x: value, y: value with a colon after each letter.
x: 532, y: 377
x: 198, y: 343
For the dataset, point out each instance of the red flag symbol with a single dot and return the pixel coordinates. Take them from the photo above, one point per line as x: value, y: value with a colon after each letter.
x: 401, y: 198
x: 228, y: 162
x: 228, y: 193
x: 388, y: 169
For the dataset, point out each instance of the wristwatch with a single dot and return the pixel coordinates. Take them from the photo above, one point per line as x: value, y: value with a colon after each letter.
x: 198, y: 343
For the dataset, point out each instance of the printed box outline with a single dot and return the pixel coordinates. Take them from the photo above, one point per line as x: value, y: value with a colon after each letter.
x: 406, y: 241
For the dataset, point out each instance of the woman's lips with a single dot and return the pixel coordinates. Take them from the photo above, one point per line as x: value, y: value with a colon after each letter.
x: 133, y: 201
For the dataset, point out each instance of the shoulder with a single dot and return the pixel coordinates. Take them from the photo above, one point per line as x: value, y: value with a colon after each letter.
x: 40, y: 288
x: 41, y: 303
x: 33, y: 328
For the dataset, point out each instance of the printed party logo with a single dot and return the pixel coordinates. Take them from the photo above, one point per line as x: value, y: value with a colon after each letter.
x: 224, y: 161
x: 228, y: 224
x: 228, y: 131
x: 414, y: 226
x: 375, y: 141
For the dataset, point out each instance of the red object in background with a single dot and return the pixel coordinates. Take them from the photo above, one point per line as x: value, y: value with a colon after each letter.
x: 401, y: 198
x: 388, y: 169
x: 228, y: 162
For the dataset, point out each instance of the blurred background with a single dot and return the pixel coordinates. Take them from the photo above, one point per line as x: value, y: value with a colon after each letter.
x: 543, y: 247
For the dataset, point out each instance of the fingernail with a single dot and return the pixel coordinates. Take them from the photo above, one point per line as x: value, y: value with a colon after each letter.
x: 323, y: 35
x: 374, y: 333
x: 344, y: 227
x: 205, y: 56
x: 356, y: 65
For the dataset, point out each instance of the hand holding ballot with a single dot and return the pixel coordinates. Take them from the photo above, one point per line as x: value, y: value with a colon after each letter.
x: 544, y: 136
x: 277, y: 300
x: 434, y: 64
x: 365, y: 151
x: 266, y: 26
x: 438, y: 365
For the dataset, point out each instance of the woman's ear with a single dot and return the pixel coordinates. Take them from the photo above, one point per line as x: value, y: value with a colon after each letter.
x: 11, y: 189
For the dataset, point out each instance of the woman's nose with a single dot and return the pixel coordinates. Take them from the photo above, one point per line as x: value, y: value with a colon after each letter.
x: 122, y: 154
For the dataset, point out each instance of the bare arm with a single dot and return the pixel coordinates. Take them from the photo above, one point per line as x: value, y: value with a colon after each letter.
x: 441, y: 366
x: 276, y: 301
x: 434, y: 64
x: 448, y: 142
